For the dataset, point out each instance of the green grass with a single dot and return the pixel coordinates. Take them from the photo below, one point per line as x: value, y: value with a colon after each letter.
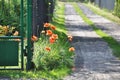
x: 49, y: 75
x: 59, y: 19
x: 107, y: 14
x: 54, y: 74
x: 115, y: 46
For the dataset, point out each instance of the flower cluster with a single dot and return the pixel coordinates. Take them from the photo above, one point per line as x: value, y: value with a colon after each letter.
x: 9, y: 31
x: 52, y: 50
x: 53, y: 37
x: 50, y: 33
x: 5, y: 30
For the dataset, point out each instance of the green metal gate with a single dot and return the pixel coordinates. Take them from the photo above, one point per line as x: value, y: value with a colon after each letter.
x: 11, y: 38
x: 16, y: 13
x: 16, y: 17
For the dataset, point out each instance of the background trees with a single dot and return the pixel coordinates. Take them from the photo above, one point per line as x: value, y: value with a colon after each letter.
x: 9, y: 12
x: 117, y: 8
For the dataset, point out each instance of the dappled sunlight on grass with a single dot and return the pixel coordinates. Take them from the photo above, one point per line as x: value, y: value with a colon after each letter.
x: 54, y: 74
x: 59, y: 19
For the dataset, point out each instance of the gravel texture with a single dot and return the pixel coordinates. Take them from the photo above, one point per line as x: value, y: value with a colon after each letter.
x: 94, y: 59
x: 102, y: 23
x: 5, y: 78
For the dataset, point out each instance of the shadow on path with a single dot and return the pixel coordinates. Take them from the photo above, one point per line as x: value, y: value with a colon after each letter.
x: 105, y: 25
x: 94, y: 59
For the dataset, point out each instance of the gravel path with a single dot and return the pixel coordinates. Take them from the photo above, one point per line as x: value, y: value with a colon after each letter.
x: 94, y: 59
x: 105, y: 25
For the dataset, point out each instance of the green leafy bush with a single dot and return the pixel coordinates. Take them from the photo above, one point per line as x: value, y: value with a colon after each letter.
x: 50, y: 54
x: 10, y: 12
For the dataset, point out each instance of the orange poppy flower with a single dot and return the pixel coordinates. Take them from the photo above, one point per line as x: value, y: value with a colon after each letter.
x: 52, y: 27
x: 70, y: 38
x: 34, y: 38
x: 49, y: 32
x: 47, y: 48
x: 55, y: 36
x: 46, y: 25
x: 16, y: 33
x: 51, y: 40
x: 71, y: 49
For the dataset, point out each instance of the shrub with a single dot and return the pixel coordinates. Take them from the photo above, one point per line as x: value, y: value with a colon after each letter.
x: 52, y: 50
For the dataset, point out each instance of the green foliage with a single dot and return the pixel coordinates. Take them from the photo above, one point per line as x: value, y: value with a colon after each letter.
x: 6, y: 30
x: 49, y: 56
x: 55, y: 74
x: 117, y: 8
x: 10, y: 12
x: 59, y: 19
x: 56, y: 57
x: 59, y: 71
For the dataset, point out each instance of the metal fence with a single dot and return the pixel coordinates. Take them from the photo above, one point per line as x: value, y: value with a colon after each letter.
x: 11, y: 34
x: 107, y: 4
x: 20, y: 14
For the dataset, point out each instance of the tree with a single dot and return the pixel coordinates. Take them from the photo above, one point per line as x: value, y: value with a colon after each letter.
x: 117, y: 8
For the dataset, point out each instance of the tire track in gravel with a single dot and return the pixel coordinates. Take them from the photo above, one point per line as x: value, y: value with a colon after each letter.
x: 109, y: 27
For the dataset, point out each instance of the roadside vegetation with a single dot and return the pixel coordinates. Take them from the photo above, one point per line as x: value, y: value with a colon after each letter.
x: 53, y: 55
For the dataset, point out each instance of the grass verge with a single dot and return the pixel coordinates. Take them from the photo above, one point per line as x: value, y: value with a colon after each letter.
x: 115, y: 46
x: 54, y: 74
x: 107, y: 14
x: 34, y: 75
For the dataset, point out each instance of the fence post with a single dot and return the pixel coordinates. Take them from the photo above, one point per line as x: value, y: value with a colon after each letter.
x: 29, y: 35
x: 21, y: 32
x: 40, y: 15
x: 34, y: 17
